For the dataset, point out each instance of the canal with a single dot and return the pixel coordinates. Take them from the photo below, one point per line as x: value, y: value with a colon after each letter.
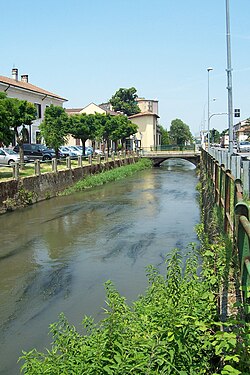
x: 56, y: 255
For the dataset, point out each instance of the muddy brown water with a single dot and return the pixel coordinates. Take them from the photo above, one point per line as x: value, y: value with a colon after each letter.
x: 55, y: 256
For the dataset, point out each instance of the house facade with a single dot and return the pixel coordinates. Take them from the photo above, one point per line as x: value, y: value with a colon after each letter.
x: 90, y: 109
x: 241, y: 131
x: 149, y: 134
x: 23, y: 90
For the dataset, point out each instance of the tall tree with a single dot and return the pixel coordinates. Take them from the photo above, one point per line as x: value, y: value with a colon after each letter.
x: 55, y: 127
x: 122, y: 129
x: 19, y: 114
x: 124, y: 100
x: 6, y: 133
x: 83, y: 127
x: 180, y: 133
x: 164, y: 136
x: 106, y: 126
x: 214, y: 136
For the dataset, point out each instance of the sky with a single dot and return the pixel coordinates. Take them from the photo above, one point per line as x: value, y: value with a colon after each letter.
x: 85, y: 50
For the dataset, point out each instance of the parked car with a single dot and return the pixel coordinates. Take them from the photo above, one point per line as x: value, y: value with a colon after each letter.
x: 75, y: 149
x: 98, y: 152
x: 88, y: 150
x: 8, y: 156
x: 243, y: 146
x: 66, y: 151
x: 35, y: 151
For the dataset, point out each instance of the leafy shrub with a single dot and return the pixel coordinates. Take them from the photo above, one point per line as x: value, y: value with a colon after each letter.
x: 166, y: 331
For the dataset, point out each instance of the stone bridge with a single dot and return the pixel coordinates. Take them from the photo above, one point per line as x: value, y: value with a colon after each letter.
x: 159, y: 156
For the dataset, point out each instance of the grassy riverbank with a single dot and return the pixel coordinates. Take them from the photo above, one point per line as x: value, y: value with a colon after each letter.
x: 174, y: 327
x: 108, y: 176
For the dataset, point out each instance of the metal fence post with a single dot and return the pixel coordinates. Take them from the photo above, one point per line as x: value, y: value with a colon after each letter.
x: 236, y: 168
x: 245, y: 178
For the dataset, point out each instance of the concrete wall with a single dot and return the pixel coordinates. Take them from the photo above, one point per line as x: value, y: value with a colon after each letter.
x: 32, y: 189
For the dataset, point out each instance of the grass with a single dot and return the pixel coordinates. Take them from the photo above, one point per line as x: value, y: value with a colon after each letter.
x: 6, y: 172
x: 108, y: 176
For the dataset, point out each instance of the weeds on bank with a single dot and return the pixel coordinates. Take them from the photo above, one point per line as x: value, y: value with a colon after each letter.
x: 109, y: 176
x: 173, y: 328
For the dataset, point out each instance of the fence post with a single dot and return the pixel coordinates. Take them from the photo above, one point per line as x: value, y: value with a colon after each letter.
x: 216, y: 182
x: 228, y: 158
x: 79, y: 161
x: 236, y: 168
x: 15, y: 170
x: 245, y: 178
x: 54, y: 165
x: 242, y: 241
x: 98, y: 159
x: 37, y: 168
x: 113, y: 156
x: 227, y: 202
x: 90, y: 159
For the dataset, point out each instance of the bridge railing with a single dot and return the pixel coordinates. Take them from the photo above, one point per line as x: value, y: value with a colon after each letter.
x: 169, y: 148
x: 229, y: 195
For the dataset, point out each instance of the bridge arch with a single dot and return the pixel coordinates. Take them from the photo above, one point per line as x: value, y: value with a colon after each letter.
x: 157, y: 160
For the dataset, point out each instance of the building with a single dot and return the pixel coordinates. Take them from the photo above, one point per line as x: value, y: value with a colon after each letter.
x: 90, y: 109
x: 149, y: 134
x: 23, y: 90
x: 241, y: 130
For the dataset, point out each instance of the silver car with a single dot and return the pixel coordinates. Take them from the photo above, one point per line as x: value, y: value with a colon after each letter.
x: 8, y: 156
x: 244, y: 146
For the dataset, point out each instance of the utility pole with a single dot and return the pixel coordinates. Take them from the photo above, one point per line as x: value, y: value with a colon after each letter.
x: 208, y: 109
x: 229, y: 81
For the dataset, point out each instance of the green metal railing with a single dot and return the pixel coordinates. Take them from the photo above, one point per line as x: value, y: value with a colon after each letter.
x: 228, y: 195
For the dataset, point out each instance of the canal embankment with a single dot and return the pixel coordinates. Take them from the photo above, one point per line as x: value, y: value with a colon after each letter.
x: 22, y: 191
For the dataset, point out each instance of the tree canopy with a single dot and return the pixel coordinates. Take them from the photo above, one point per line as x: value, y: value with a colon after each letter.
x: 15, y: 113
x: 55, y: 127
x: 6, y: 133
x: 83, y: 127
x: 180, y: 133
x: 124, y: 100
x: 164, y: 136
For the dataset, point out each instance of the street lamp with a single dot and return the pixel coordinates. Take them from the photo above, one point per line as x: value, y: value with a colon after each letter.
x: 208, y: 112
x: 229, y: 81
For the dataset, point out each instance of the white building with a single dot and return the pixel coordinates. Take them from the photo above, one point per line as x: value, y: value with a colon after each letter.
x: 23, y: 90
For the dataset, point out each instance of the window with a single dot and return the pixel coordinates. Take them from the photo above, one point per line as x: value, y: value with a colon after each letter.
x: 150, y: 106
x: 38, y: 110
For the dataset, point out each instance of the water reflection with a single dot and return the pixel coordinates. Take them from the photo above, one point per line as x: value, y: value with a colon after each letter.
x: 56, y: 255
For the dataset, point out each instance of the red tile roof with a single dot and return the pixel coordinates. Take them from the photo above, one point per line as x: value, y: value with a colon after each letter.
x: 29, y: 87
x: 73, y: 110
x: 146, y: 113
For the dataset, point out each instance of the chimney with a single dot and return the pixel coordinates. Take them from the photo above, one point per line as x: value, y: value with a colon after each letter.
x: 25, y: 78
x: 15, y: 74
